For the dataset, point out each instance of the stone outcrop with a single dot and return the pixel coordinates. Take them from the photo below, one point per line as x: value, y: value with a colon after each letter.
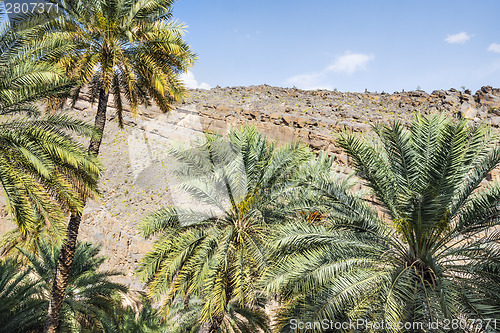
x: 490, y: 98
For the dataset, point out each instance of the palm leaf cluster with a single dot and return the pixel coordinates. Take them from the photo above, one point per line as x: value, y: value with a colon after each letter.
x: 132, y: 49
x: 44, y: 173
x: 430, y: 255
x: 92, y: 298
x: 185, y: 318
x: 18, y: 296
x: 147, y: 320
x: 215, y: 255
x: 24, y: 79
x: 93, y: 303
x: 435, y: 257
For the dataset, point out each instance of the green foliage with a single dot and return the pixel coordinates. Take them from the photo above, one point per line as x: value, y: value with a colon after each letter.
x: 185, y: 318
x: 131, y: 48
x: 44, y: 173
x: 91, y: 302
x: 148, y: 320
x: 18, y: 296
x: 433, y: 257
x: 23, y: 79
x: 217, y: 253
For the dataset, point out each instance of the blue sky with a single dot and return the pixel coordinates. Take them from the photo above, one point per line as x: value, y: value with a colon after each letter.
x: 345, y: 45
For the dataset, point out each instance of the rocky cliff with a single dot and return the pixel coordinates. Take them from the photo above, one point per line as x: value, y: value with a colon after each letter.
x: 313, y: 116
x: 137, y: 174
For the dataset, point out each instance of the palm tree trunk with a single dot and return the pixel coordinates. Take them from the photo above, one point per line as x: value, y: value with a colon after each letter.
x: 186, y: 301
x: 67, y: 254
x: 214, y: 325
x: 100, y: 122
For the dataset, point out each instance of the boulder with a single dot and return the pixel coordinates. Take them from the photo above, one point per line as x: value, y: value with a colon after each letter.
x: 223, y: 108
x: 468, y: 111
x: 488, y: 97
x: 451, y: 99
x: 302, y: 122
x: 482, y: 112
x: 276, y: 118
x: 495, y: 121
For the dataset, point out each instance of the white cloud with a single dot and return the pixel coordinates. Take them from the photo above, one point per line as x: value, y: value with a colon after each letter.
x: 348, y: 63
x: 459, y: 38
x: 494, y: 47
x: 191, y: 83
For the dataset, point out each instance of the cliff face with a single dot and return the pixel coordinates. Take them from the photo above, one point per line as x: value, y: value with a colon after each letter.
x: 137, y: 174
x: 315, y: 116
x: 328, y: 111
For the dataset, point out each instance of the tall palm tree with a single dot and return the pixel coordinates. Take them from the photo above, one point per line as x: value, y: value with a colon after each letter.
x: 131, y: 49
x: 44, y: 173
x: 92, y: 299
x: 435, y: 258
x: 217, y: 253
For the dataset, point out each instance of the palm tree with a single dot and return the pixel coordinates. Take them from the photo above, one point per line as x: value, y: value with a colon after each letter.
x: 43, y: 171
x: 147, y: 320
x: 435, y: 256
x: 17, y: 296
x: 130, y: 49
x: 23, y: 79
x: 185, y: 318
x: 92, y: 299
x: 216, y: 252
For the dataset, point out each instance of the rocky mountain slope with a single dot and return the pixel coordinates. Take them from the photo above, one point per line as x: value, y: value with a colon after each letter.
x: 313, y: 116
x: 138, y: 175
